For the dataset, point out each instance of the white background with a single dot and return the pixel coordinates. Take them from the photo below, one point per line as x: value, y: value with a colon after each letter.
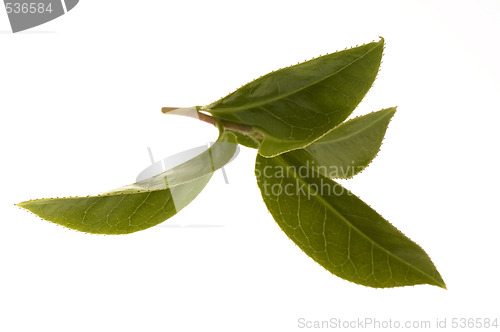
x: 80, y: 101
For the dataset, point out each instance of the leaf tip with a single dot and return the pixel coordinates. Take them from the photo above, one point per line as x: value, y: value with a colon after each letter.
x: 439, y: 282
x: 22, y: 204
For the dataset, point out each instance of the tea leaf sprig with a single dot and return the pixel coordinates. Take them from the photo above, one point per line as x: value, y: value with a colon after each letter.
x: 294, y: 117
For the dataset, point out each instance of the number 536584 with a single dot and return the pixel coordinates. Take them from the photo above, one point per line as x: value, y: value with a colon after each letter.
x: 28, y: 7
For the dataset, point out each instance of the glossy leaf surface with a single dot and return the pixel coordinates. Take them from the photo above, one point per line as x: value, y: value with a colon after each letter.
x: 294, y: 106
x: 141, y: 205
x: 338, y: 230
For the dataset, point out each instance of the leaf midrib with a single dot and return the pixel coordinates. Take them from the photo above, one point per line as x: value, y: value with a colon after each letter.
x: 283, y: 96
x: 334, y: 210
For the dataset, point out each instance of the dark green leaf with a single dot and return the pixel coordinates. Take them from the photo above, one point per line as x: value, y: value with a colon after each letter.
x: 294, y: 106
x: 141, y: 205
x: 338, y: 230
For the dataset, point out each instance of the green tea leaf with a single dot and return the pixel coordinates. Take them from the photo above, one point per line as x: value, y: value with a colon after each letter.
x: 348, y: 148
x: 338, y: 230
x: 294, y: 106
x: 143, y: 204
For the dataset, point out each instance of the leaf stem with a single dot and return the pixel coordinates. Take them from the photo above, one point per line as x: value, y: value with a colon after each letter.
x: 241, y: 128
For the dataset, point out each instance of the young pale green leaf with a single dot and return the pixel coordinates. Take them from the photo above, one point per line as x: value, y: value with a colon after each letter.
x: 143, y: 204
x: 294, y: 106
x: 348, y: 148
x: 338, y: 230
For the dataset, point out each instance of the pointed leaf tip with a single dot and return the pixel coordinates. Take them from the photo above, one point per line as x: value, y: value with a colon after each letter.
x: 338, y: 230
x: 141, y: 205
x: 347, y: 149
